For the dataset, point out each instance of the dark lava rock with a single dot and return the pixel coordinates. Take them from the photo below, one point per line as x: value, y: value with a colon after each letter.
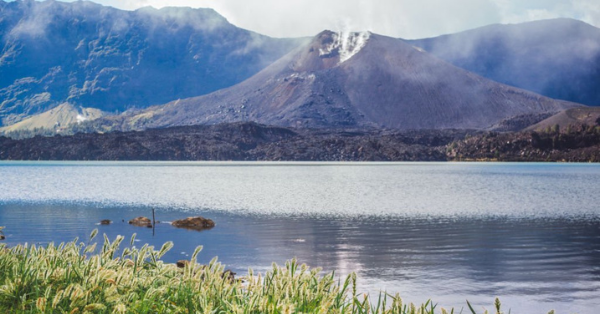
x: 575, y: 144
x: 141, y: 222
x: 194, y: 223
x: 2, y: 237
x: 105, y: 222
x: 246, y: 141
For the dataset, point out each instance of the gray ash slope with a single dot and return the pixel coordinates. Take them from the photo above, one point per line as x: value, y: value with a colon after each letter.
x: 95, y: 56
x: 558, y: 58
x: 352, y: 80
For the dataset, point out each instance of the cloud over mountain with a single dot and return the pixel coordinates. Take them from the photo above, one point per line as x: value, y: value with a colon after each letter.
x: 100, y: 57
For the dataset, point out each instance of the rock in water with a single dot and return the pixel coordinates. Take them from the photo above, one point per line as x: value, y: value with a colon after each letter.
x: 229, y: 275
x: 141, y: 222
x: 2, y: 237
x: 182, y: 263
x: 195, y: 223
x: 105, y: 222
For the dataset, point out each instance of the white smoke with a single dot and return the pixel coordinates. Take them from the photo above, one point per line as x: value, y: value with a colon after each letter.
x: 590, y: 11
x: 80, y: 118
x: 346, y: 44
x: 351, y: 44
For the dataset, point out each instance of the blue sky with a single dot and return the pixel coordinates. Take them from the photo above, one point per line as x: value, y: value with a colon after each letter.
x: 398, y: 18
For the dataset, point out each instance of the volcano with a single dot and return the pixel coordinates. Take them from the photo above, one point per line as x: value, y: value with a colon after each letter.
x: 354, y: 80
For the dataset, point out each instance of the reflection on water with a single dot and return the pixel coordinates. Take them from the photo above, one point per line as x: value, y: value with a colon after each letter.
x: 529, y: 234
x: 532, y: 264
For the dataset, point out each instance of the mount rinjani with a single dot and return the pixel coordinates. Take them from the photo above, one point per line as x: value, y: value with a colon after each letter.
x: 81, y: 81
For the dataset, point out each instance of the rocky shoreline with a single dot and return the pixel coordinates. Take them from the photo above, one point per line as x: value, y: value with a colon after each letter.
x: 255, y: 142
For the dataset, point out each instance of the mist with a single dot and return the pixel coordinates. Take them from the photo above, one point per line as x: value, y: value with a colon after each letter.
x: 409, y: 19
x: 557, y: 58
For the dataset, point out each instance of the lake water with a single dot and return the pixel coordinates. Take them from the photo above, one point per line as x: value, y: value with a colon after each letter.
x: 527, y: 233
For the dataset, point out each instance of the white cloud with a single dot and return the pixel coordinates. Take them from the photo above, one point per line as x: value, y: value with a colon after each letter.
x: 590, y: 11
x: 529, y: 15
x: 398, y: 18
x: 517, y: 12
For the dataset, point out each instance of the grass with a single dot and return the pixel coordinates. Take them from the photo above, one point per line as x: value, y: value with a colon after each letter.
x: 75, y: 277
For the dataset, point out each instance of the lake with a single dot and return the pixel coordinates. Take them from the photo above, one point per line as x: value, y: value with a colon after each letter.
x: 527, y: 233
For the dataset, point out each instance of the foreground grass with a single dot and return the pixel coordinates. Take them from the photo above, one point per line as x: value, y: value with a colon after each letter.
x: 74, y: 278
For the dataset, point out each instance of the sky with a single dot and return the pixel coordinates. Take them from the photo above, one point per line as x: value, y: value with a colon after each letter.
x: 398, y: 18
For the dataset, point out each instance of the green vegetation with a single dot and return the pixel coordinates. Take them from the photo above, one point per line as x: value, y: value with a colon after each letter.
x: 73, y: 278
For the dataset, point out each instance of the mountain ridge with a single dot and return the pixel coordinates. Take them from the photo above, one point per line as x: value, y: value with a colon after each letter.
x: 557, y: 58
x: 96, y: 56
